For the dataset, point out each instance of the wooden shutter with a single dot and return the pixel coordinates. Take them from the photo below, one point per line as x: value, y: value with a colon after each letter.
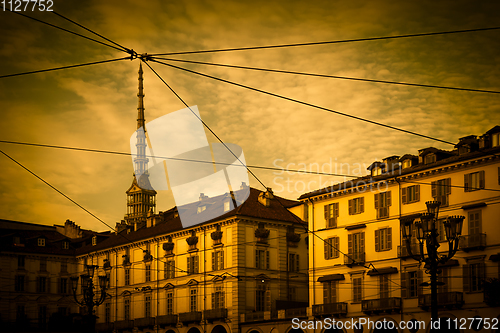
x: 336, y: 241
x: 326, y: 296
x: 388, y: 199
x: 389, y: 239
x: 481, y: 179
x: 336, y: 210
x: 404, y: 198
x: 362, y: 205
x: 467, y: 182
x: 377, y: 200
x: 267, y: 260
x: 196, y: 265
x: 434, y: 189
x: 349, y: 244
x: 297, y: 263
x: 327, y: 246
x: 362, y: 243
x: 417, y: 192
x: 326, y: 212
x: 268, y: 299
x: 419, y: 283
x: 213, y: 299
x: 351, y: 207
x: 257, y: 259
x: 448, y: 185
x: 466, y: 279
x: 404, y: 283
x: 213, y: 261
x: 189, y: 269
x: 377, y: 240
x: 221, y: 266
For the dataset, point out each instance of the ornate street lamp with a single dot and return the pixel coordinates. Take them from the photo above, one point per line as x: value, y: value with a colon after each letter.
x: 89, y: 294
x: 426, y: 233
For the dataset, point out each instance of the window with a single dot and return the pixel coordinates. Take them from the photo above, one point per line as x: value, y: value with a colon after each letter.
x: 262, y: 259
x: 43, y: 264
x: 127, y: 276
x: 192, y: 265
x: 292, y: 293
x: 331, y: 214
x: 41, y: 241
x: 170, y: 302
x: 126, y: 309
x: 475, y: 222
x: 262, y: 297
x: 65, y: 245
x: 306, y: 212
x: 440, y: 191
x: 430, y: 158
x: 330, y: 289
x: 227, y: 206
x: 201, y: 209
x: 63, y: 285
x: 218, y: 298
x: 356, y: 206
x: 495, y: 139
x: 19, y: 285
x: 64, y: 266
x: 383, y: 239
x: 217, y: 260
x: 357, y: 289
x: 193, y: 295
x: 377, y: 171
x: 406, y: 163
x: 20, y: 313
x: 94, y: 240
x: 148, y: 272
x: 474, y: 275
x: 42, y: 315
x: 356, y: 247
x: 147, y: 306
x: 293, y: 262
x: 410, y: 284
x: 441, y: 231
x: 382, y: 204
x: 21, y: 261
x: 410, y: 194
x: 443, y: 280
x: 332, y: 248
x: 169, y: 269
x: 41, y: 284
x: 473, y: 181
x: 107, y: 312
x: 384, y: 291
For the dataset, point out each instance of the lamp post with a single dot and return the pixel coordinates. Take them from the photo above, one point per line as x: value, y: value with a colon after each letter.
x: 89, y: 294
x: 427, y: 236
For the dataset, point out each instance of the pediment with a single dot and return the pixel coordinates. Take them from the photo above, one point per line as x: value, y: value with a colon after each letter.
x: 192, y: 282
x: 169, y: 286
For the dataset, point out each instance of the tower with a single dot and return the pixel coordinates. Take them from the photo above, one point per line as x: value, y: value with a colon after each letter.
x: 141, y: 197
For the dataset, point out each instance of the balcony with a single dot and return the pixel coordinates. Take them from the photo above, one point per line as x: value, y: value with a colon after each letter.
x: 452, y: 299
x: 104, y: 327
x: 403, y: 251
x: 254, y: 316
x: 330, y: 309
x: 141, y: 323
x: 215, y: 314
x: 123, y: 325
x: 167, y: 320
x: 296, y: 313
x: 190, y: 317
x: 388, y: 305
x: 354, y: 259
x: 472, y: 242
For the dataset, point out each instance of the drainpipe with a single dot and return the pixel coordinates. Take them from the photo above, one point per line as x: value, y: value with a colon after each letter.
x: 157, y: 280
x: 311, y: 217
x: 204, y: 277
x: 400, y: 239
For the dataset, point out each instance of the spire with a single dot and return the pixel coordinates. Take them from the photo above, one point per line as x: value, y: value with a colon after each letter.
x: 140, y: 106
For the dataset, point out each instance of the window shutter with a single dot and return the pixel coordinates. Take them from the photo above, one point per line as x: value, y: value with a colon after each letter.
x: 268, y: 299
x: 388, y: 199
x: 419, y: 283
x: 59, y: 286
x: 48, y: 285
x: 333, y: 292
x: 377, y: 200
x: 389, y: 238
x: 327, y: 246
x: 349, y: 244
x: 482, y: 274
x: 213, y: 300
x: 336, y: 209
x: 362, y: 205
x: 189, y: 269
x: 417, y: 192
x: 326, y: 212
x: 362, y: 242
x: 336, y: 241
x: 404, y: 199
x: 377, y: 240
x: 213, y: 261
x: 404, y: 277
x: 297, y: 263
x: 267, y: 260
x: 221, y: 259
x: 481, y: 179
x: 196, y: 265
x: 466, y: 182
x: 326, y: 298
x: 256, y: 258
x: 351, y: 207
x: 466, y: 280
x: 448, y: 185
x: 434, y: 189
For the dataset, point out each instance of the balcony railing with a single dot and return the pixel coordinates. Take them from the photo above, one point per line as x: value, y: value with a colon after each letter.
x: 190, y: 317
x: 357, y: 258
x: 104, y: 327
x: 403, y: 251
x: 472, y: 242
x: 166, y: 320
x: 144, y: 322
x: 254, y: 316
x: 295, y: 313
x: 330, y: 309
x: 215, y: 314
x: 381, y: 305
x: 124, y: 325
x: 452, y: 299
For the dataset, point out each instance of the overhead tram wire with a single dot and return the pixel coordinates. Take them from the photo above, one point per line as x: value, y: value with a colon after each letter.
x: 303, y: 103
x: 329, y: 42
x: 329, y: 76
x: 64, y: 67
x: 69, y: 31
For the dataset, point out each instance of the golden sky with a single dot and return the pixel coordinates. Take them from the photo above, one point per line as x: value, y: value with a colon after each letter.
x: 95, y: 106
